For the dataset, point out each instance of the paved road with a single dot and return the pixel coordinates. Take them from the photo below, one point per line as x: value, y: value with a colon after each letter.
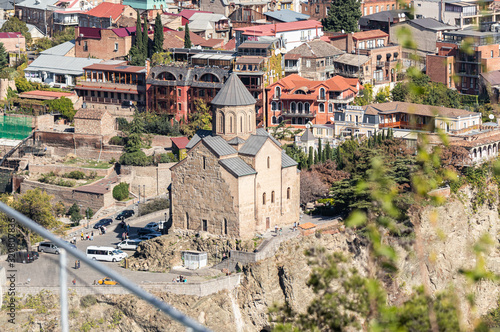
x: 45, y: 270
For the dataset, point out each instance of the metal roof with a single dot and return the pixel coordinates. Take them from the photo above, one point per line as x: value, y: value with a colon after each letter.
x: 60, y: 64
x: 213, y: 56
x: 61, y: 49
x: 287, y: 15
x: 432, y: 24
x: 263, y: 132
x: 233, y: 93
x: 38, y: 4
x: 237, y: 167
x: 286, y: 160
x: 236, y: 141
x: 253, y: 145
x: 307, y: 136
x: 219, y: 146
x: 200, y: 133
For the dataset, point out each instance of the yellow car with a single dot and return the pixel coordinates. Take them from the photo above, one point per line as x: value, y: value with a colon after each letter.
x: 107, y: 281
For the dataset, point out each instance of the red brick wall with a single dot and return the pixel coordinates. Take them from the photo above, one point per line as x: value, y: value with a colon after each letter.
x: 103, y: 48
x: 437, y: 68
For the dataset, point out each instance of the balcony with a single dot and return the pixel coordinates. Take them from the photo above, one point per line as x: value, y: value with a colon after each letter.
x: 222, y: 27
x: 102, y: 100
x: 66, y: 21
x: 290, y: 114
x: 110, y: 85
x: 292, y: 69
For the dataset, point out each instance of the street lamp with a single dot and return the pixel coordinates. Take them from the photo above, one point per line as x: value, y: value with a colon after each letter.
x: 165, y: 224
x: 88, y: 219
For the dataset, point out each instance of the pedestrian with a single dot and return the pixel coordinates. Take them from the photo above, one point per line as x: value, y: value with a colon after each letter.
x: 88, y: 237
x: 123, y: 236
x: 281, y: 230
x: 276, y: 229
x: 128, y: 228
x: 74, y: 282
x: 82, y: 235
x: 92, y: 236
x: 76, y: 265
x: 74, y: 239
x: 103, y: 229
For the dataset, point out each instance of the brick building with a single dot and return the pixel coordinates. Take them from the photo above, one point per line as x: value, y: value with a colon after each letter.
x: 94, y: 122
x: 254, y: 184
x: 369, y: 7
x: 173, y: 90
x: 459, y: 69
x: 384, y: 56
x: 105, y: 15
x: 113, y: 85
x: 316, y: 9
x: 103, y: 43
x: 35, y: 12
x: 301, y: 100
x: 13, y: 41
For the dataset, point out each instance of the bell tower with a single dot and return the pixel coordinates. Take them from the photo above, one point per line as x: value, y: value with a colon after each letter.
x: 234, y: 110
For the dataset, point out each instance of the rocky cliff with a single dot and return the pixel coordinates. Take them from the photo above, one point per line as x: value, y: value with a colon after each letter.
x: 448, y: 233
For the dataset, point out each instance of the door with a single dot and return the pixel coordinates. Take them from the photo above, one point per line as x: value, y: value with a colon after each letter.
x: 205, y: 225
x: 268, y: 223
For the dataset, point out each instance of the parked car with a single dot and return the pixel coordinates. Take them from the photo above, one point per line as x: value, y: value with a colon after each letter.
x: 144, y: 231
x: 125, y: 214
x: 103, y: 222
x: 153, y: 226
x: 23, y: 256
x: 48, y: 247
x: 148, y: 236
x: 130, y: 244
x: 107, y: 281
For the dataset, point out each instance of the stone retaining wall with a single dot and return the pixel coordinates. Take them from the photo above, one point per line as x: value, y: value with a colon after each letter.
x: 62, y: 169
x: 200, y: 289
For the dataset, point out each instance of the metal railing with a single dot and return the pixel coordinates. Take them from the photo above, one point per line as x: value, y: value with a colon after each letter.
x: 188, y: 322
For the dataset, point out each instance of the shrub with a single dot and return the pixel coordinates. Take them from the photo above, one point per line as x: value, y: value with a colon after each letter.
x: 59, y: 208
x: 77, y: 175
x: 166, y: 158
x: 75, y: 218
x: 92, y: 175
x: 87, y: 301
x: 89, y: 213
x: 137, y: 158
x: 120, y: 192
x: 122, y: 124
x: 117, y: 140
x: 153, y: 206
x: 73, y: 208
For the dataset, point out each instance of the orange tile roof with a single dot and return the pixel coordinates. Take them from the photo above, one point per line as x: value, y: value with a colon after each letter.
x: 369, y: 34
x: 45, y: 94
x: 273, y: 29
x: 307, y: 225
x: 336, y: 83
x: 107, y: 9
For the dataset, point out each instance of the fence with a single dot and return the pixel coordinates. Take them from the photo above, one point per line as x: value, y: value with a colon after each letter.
x: 17, y: 128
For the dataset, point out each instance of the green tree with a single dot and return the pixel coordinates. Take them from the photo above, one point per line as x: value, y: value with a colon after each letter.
x: 63, y: 36
x: 138, y: 35
x: 73, y: 208
x: 121, y: 191
x: 310, y: 157
x: 320, y: 151
x: 35, y: 204
x: 187, y: 37
x: 63, y: 105
x: 145, y: 39
x: 75, y: 217
x: 366, y: 97
x: 4, y: 57
x: 399, y: 92
x: 136, y: 56
x: 162, y: 58
x: 23, y: 85
x: 200, y: 118
x: 343, y: 15
x: 383, y: 95
x: 328, y: 151
x: 43, y: 44
x: 158, y: 36
x: 16, y: 25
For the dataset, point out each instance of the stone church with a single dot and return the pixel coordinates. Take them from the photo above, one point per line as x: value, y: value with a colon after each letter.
x: 236, y: 180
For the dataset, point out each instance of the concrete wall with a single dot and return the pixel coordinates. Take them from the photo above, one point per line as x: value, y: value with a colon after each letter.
x: 104, y: 126
x: 156, y: 179
x: 200, y: 289
x: 44, y: 122
x: 4, y: 85
x: 61, y: 169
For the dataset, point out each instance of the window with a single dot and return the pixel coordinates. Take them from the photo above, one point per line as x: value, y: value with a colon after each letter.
x: 273, y: 106
x: 376, y: 9
x: 449, y: 83
x: 371, y: 10
x: 288, y: 193
x: 85, y: 46
x: 492, y: 54
x: 322, y: 108
x: 300, y: 107
x: 241, y: 124
x: 308, y: 63
x: 361, y: 45
x: 272, y: 196
x: 225, y: 226
x: 330, y: 108
x: 231, y: 124
x: 322, y: 94
x: 116, y: 47
x: 306, y: 106
x: 249, y: 122
x: 204, y: 162
x: 387, y: 7
x: 268, y: 162
x: 365, y: 11
x: 471, y: 83
x: 205, y: 225
x: 380, y: 43
x: 293, y: 107
x: 179, y: 106
x: 277, y: 92
x: 179, y: 92
x: 264, y: 199
x: 449, y: 68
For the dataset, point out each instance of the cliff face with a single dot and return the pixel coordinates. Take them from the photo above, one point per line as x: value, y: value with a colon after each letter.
x: 448, y: 233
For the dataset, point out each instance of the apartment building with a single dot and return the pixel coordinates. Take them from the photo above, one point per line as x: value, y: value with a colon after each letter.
x: 106, y: 15
x: 104, y: 43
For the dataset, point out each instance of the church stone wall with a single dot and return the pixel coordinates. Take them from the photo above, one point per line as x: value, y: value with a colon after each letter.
x: 231, y: 121
x: 203, y: 193
x: 246, y: 206
x: 290, y: 208
x: 268, y: 180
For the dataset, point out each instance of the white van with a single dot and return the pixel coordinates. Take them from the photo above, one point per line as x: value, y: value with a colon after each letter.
x: 130, y: 244
x: 108, y: 254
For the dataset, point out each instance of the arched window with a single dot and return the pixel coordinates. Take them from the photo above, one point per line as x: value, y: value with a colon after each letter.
x: 187, y: 220
x: 273, y: 120
x: 293, y: 107
x: 241, y: 124
x: 264, y: 199
x: 249, y: 122
x: 299, y: 121
x: 225, y: 226
x: 273, y: 106
x: 268, y: 162
x: 322, y: 93
x: 221, y: 122
x: 306, y: 107
x: 300, y: 107
x: 279, y: 106
x: 321, y: 108
x: 330, y: 108
x: 288, y: 193
x: 231, y: 124
x: 204, y: 162
x: 277, y: 92
x: 272, y: 196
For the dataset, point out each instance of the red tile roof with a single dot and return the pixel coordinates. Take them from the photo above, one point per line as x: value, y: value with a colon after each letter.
x: 336, y: 83
x: 213, y: 43
x: 10, y: 34
x: 369, y: 34
x: 107, y: 9
x: 93, y: 33
x: 175, y: 39
x: 273, y: 29
x: 38, y: 94
x: 230, y: 45
x: 187, y: 13
x: 180, y: 142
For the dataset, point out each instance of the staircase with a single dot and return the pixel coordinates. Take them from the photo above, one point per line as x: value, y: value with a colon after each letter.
x: 11, y: 152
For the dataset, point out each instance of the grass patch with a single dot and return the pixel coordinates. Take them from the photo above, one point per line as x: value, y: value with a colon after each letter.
x: 85, y: 163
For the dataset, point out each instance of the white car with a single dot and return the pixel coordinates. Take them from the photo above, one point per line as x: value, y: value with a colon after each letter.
x: 130, y: 244
x: 148, y: 236
x: 152, y: 226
